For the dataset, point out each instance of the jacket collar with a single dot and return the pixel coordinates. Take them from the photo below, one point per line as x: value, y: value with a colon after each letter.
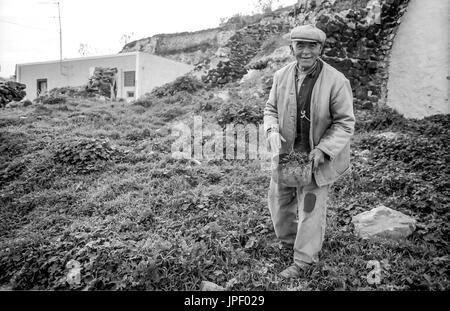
x: 291, y: 70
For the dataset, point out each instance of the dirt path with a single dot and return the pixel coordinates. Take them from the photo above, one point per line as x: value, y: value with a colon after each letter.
x: 419, y: 70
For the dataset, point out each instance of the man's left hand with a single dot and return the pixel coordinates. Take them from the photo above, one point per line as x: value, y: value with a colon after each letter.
x: 317, y: 156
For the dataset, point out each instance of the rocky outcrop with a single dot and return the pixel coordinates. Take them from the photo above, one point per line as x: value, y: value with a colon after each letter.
x: 187, y: 47
x: 383, y: 222
x: 194, y: 47
x: 359, y: 39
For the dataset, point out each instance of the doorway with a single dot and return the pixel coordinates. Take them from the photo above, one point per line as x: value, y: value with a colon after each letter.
x: 41, y: 86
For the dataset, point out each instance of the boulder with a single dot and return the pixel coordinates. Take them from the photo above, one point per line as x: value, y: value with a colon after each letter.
x: 384, y: 222
x: 210, y: 286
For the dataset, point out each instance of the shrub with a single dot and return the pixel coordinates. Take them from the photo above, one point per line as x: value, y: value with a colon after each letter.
x: 60, y: 95
x: 85, y: 155
x: 260, y: 64
x: 185, y: 83
x: 384, y: 118
x: 171, y: 113
x: 51, y: 100
x: 145, y: 101
x: 180, y: 98
x: 10, y: 172
x: 27, y: 103
x: 271, y: 45
x: 241, y: 111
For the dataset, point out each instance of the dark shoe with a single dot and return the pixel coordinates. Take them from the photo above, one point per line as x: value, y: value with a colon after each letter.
x: 294, y: 271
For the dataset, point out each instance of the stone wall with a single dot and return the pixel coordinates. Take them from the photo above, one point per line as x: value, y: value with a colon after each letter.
x: 242, y: 47
x: 360, y: 47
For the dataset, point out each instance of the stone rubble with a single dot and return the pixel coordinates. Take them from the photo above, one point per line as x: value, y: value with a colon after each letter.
x: 102, y: 81
x: 11, y: 91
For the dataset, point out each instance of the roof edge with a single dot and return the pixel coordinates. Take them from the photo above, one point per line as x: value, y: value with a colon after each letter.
x: 80, y: 58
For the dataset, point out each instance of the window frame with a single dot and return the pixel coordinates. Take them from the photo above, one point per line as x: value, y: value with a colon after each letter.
x: 126, y: 78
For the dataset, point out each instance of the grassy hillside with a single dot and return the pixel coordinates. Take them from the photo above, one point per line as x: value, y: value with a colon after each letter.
x: 95, y: 182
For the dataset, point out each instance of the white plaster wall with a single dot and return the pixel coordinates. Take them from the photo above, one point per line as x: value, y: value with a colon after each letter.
x: 156, y: 71
x: 419, y: 69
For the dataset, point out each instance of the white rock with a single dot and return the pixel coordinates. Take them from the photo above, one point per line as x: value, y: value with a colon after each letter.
x: 385, y: 222
x: 210, y: 286
x: 388, y: 135
x: 224, y: 95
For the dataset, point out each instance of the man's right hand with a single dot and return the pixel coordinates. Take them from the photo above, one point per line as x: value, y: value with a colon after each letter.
x: 274, y: 141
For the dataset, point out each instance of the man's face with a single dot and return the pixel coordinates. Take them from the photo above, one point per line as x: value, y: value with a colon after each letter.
x: 306, y: 52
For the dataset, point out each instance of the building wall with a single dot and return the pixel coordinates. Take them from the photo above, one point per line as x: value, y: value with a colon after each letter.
x: 155, y: 71
x: 419, y: 68
x: 73, y: 72
x: 151, y: 71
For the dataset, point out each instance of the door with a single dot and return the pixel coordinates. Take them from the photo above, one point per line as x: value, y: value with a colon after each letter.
x: 41, y: 86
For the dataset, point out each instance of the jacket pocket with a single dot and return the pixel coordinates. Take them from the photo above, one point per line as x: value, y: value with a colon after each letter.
x: 343, y: 171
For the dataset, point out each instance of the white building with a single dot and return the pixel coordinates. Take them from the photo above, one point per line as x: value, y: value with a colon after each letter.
x: 138, y: 73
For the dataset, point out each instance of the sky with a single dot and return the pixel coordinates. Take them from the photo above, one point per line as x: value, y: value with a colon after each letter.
x: 29, y: 29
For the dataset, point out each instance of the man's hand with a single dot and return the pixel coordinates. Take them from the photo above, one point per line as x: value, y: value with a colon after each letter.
x: 274, y: 141
x: 317, y: 156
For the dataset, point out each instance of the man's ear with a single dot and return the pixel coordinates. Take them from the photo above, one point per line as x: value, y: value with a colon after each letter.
x: 292, y: 49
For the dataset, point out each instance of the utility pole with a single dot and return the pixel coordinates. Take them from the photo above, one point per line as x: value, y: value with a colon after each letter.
x: 60, y: 34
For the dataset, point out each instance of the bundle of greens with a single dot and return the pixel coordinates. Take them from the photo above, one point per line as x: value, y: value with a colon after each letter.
x: 294, y: 158
x: 295, y: 166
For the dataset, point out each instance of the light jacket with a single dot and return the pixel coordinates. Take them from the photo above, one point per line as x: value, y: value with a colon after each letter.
x: 332, y: 119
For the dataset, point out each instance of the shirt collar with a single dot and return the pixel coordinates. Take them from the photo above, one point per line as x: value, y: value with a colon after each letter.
x: 309, y: 72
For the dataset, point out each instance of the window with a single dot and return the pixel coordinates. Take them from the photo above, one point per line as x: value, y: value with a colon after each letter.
x: 129, y: 78
x: 130, y: 94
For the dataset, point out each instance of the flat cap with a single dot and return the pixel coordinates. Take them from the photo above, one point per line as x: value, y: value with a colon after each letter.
x: 308, y: 33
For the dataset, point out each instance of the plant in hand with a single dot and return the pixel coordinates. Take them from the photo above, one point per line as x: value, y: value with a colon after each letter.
x: 295, y: 164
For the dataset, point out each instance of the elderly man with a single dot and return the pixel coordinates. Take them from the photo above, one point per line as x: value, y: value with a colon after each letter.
x: 309, y: 110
